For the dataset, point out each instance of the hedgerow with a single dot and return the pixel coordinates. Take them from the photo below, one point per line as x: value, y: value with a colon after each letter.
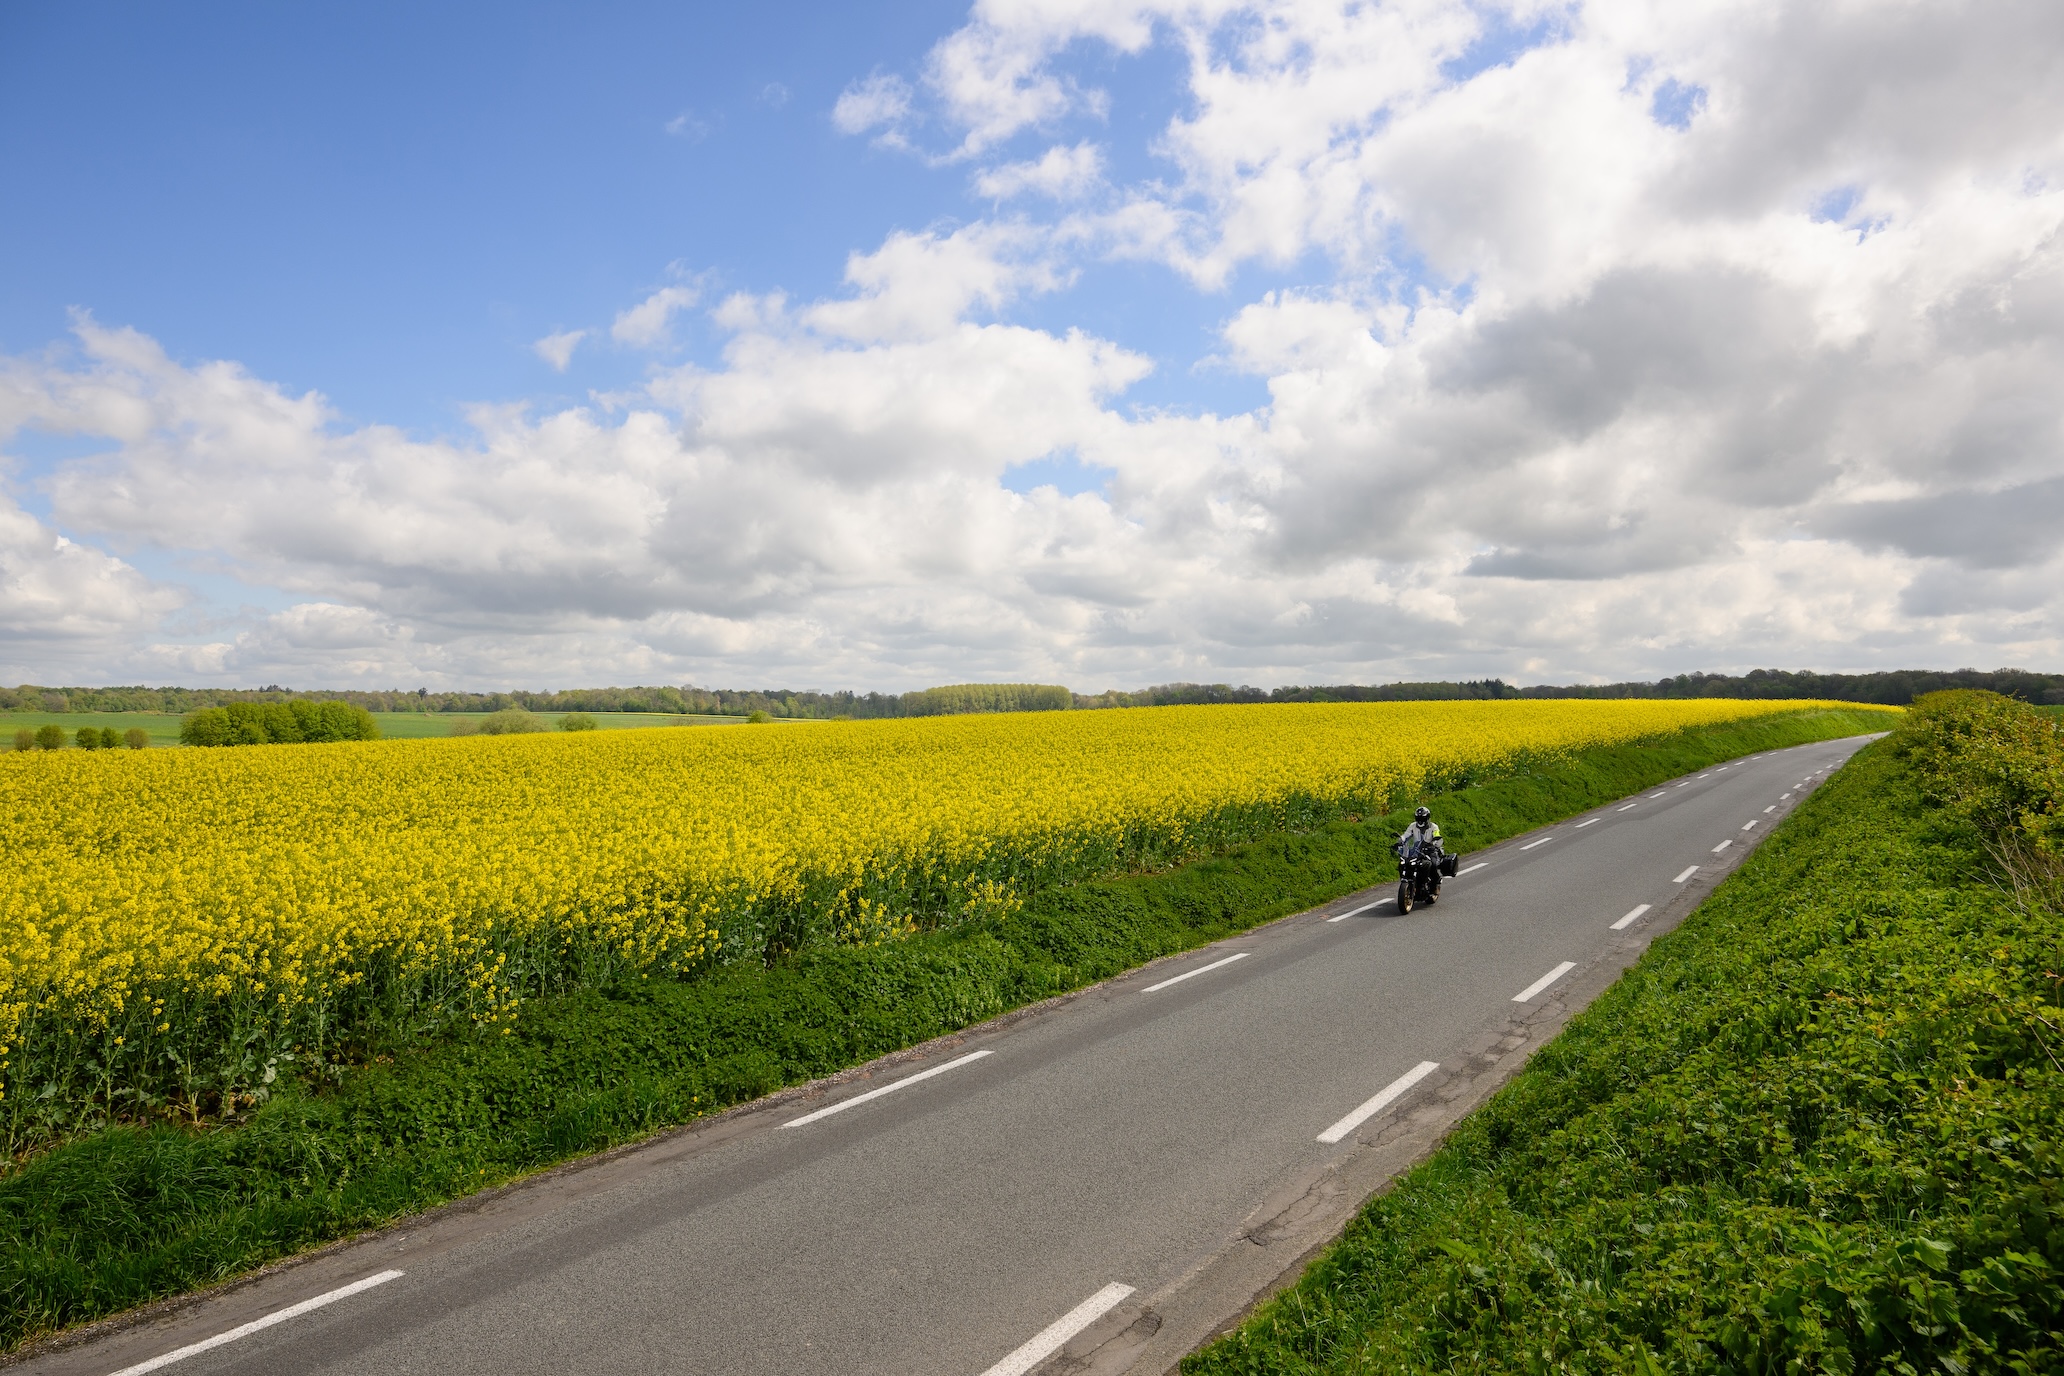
x: 1815, y: 1129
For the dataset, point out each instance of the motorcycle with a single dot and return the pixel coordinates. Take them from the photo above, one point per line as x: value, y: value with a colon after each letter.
x: 1419, y: 875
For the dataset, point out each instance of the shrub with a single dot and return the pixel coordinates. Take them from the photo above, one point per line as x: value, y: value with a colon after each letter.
x: 756, y: 716
x: 511, y: 721
x: 278, y: 723
x: 109, y: 738
x: 25, y: 739
x: 136, y: 738
x: 50, y: 736
x: 87, y: 738
x: 576, y: 721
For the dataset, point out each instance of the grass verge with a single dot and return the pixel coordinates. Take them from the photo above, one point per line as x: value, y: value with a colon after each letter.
x: 129, y: 1215
x: 1816, y: 1128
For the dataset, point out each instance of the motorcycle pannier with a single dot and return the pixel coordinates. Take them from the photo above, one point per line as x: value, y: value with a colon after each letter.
x: 1448, y: 864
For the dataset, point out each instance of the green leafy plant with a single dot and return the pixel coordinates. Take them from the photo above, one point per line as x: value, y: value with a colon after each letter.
x: 577, y: 721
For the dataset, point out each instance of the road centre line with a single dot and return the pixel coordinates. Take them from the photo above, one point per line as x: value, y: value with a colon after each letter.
x: 1723, y: 846
x: 1481, y: 864
x: 1544, y: 981
x: 906, y: 1081
x: 1369, y: 1108
x: 1587, y: 821
x: 1630, y: 919
x: 1207, y: 969
x: 245, y: 1330
x: 1688, y: 873
x: 1351, y: 912
x: 1049, y: 1339
x: 1542, y: 842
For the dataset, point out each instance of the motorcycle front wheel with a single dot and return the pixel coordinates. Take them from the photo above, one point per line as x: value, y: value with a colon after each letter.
x: 1404, y: 897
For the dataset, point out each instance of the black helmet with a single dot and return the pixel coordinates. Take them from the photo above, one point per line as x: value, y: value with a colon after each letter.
x: 1423, y: 815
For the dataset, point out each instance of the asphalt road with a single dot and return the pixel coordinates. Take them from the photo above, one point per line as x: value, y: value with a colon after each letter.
x: 1095, y: 1185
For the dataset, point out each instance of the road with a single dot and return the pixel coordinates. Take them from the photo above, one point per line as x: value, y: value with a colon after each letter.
x: 1094, y: 1185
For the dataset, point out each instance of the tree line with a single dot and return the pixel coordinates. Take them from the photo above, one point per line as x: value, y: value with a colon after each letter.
x: 1894, y: 687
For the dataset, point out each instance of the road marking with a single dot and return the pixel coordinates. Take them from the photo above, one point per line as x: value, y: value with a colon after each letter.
x: 1702, y: 776
x: 277, y: 1316
x: 1544, y: 981
x: 1721, y: 770
x: 1207, y: 969
x: 903, y: 1083
x: 1472, y: 869
x: 1688, y: 873
x: 1772, y: 808
x: 1049, y: 1339
x: 1782, y: 796
x: 1351, y: 912
x: 1370, y: 1108
x: 1587, y: 821
x: 1542, y: 842
x: 1630, y: 919
x: 1722, y: 846
x: 1630, y: 807
x: 1745, y: 826
x: 1654, y: 796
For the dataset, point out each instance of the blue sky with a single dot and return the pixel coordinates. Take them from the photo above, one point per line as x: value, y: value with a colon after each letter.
x: 1107, y: 343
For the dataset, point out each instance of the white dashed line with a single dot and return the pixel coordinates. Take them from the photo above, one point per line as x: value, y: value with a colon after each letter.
x: 1654, y: 796
x: 1688, y: 873
x: 1050, y: 1338
x: 1628, y: 808
x: 1772, y: 808
x: 292, y: 1311
x: 1207, y: 969
x: 1586, y: 822
x: 1371, y: 1107
x: 1630, y: 919
x: 1544, y: 981
x: 1481, y: 864
x: 1351, y: 912
x: 1745, y: 826
x: 903, y: 1083
x: 1722, y: 846
x: 1542, y: 842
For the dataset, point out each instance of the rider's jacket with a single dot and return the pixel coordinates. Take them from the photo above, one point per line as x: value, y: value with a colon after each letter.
x: 1415, y: 836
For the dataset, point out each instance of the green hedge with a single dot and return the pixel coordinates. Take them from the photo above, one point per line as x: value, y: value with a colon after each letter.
x: 1817, y: 1128
x: 130, y: 1214
x: 278, y: 723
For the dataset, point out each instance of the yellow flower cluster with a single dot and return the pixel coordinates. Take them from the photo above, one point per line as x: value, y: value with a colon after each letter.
x: 284, y: 882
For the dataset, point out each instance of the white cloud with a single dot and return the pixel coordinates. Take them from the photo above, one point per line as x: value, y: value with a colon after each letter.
x: 1571, y: 390
x: 645, y: 325
x: 882, y: 99
x: 557, y: 348
x: 1062, y: 172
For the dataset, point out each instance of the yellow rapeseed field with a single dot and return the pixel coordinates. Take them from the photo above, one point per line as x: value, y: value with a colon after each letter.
x: 192, y: 905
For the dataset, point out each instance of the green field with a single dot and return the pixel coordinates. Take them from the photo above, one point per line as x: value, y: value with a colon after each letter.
x: 164, y: 726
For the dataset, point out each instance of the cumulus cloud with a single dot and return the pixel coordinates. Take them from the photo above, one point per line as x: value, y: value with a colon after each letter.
x: 645, y: 325
x: 557, y: 348
x: 1062, y: 172
x: 881, y: 99
x: 1673, y: 336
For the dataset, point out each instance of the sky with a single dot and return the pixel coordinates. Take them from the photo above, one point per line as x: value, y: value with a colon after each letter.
x: 1108, y: 344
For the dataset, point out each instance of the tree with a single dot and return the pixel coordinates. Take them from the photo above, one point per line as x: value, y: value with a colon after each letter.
x: 88, y: 738
x: 136, y: 738
x: 576, y: 721
x: 110, y: 739
x: 25, y: 739
x: 50, y: 736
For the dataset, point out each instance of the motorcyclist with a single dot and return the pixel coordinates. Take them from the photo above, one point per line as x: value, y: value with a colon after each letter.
x: 1422, y: 835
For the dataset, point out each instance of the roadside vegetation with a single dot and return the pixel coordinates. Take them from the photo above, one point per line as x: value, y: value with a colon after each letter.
x: 1817, y: 1128
x: 102, y: 1217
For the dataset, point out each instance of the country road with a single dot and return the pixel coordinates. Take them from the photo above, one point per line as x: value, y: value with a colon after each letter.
x: 1097, y: 1184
